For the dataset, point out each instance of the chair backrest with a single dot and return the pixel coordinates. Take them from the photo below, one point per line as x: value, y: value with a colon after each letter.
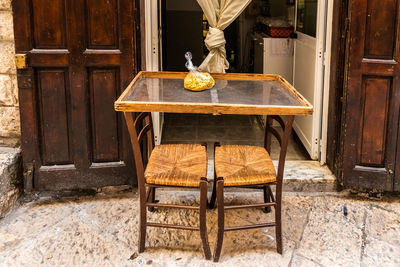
x: 139, y: 128
x: 282, y: 137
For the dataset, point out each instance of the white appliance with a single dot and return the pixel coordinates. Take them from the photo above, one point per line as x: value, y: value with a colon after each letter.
x: 274, y: 56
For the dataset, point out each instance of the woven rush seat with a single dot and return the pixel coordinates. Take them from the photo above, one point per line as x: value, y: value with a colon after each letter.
x: 244, y: 165
x: 177, y: 165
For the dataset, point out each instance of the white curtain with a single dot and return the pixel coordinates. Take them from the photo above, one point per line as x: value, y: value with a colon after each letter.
x: 219, y: 13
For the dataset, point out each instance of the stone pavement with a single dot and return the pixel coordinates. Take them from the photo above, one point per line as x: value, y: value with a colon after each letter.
x: 102, y: 229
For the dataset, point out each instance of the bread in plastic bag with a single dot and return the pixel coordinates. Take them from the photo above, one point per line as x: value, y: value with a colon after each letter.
x: 196, y: 80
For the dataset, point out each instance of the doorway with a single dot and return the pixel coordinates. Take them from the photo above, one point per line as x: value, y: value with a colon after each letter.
x: 300, y: 57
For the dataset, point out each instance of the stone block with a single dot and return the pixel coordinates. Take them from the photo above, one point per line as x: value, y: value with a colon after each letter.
x: 10, y: 177
x: 6, y: 26
x: 382, y: 228
x: 5, y: 4
x: 7, y: 53
x: 13, y: 141
x: 8, y: 90
x: 9, y: 122
x: 330, y: 238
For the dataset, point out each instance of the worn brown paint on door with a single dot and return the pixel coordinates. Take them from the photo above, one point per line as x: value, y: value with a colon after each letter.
x: 372, y: 96
x: 81, y: 54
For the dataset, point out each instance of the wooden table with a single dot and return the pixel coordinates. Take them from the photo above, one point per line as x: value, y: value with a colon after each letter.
x: 233, y: 93
x: 251, y: 94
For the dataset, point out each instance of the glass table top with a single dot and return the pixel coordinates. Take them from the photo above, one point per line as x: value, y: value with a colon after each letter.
x: 231, y: 91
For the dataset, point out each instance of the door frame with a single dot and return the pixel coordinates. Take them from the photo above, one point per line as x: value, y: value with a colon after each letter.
x: 338, y: 73
x: 312, y: 146
x: 154, y: 54
x: 327, y: 63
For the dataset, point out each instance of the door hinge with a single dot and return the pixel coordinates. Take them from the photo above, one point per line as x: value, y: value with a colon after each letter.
x: 20, y: 61
x: 28, y: 177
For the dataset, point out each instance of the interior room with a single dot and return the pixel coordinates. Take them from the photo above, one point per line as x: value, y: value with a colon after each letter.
x: 270, y: 36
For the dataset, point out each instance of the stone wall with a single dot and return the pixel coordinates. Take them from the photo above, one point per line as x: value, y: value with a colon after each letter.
x: 10, y: 177
x: 9, y: 112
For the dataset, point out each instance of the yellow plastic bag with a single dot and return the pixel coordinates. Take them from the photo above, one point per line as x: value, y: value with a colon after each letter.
x: 195, y: 80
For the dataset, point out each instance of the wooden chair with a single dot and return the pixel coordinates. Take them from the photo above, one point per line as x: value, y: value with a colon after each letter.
x: 251, y: 166
x: 179, y: 166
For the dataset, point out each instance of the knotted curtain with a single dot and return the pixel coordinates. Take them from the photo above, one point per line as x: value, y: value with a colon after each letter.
x: 219, y: 14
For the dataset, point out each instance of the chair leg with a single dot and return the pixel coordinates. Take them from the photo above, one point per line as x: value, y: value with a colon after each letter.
x: 267, y: 198
x: 221, y: 218
x: 142, y: 223
x: 211, y: 204
x: 278, y: 228
x: 203, y: 219
x: 152, y: 198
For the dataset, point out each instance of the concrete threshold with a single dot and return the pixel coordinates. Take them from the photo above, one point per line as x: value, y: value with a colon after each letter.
x: 307, y: 176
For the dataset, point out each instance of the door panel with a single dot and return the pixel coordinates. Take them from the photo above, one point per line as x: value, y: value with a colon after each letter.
x: 81, y: 55
x: 373, y: 97
x: 54, y: 117
x: 380, y: 29
x: 102, y: 23
x: 49, y: 23
x: 374, y: 120
x: 307, y: 69
x: 304, y: 81
x: 105, y: 123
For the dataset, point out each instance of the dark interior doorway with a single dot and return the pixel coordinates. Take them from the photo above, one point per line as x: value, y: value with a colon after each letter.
x: 184, y: 28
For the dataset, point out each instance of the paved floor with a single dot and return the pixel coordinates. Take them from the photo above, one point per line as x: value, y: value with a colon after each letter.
x: 101, y: 230
x: 227, y: 129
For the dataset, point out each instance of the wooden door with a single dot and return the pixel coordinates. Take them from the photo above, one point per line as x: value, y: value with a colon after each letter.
x: 81, y: 54
x: 372, y: 96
